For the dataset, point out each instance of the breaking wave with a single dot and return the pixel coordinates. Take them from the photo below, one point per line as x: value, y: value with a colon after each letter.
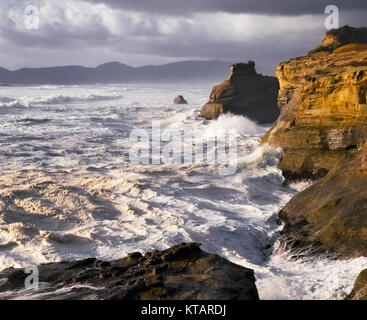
x: 24, y: 102
x: 58, y: 99
x: 68, y: 190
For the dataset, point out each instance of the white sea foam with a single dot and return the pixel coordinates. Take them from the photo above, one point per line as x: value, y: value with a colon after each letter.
x: 59, y: 99
x: 229, y: 121
x: 26, y: 102
x: 75, y: 194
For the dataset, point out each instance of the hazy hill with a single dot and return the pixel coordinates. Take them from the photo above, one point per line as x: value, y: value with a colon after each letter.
x: 118, y: 72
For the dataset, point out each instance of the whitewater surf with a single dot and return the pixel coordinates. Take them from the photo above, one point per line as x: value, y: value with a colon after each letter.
x: 68, y: 190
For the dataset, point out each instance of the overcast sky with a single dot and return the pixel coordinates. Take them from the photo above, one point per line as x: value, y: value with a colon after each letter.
x: 140, y: 32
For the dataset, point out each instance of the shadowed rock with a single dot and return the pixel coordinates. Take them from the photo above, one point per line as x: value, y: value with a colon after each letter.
x: 246, y: 93
x: 181, y: 272
x: 337, y: 38
x: 359, y: 291
x: 330, y: 216
x: 179, y: 100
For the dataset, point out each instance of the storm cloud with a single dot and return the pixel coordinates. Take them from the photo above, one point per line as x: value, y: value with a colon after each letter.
x: 270, y: 7
x: 91, y: 32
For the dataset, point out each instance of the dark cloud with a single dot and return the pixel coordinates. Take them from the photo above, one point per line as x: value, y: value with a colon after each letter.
x: 77, y: 32
x: 271, y: 7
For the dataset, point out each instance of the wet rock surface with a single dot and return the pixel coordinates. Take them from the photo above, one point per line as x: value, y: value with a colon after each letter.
x: 330, y: 216
x: 246, y: 93
x: 359, y: 291
x: 181, y: 272
x: 322, y: 129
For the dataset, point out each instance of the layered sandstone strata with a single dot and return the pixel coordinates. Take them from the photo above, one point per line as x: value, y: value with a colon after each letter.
x: 246, y: 93
x: 322, y: 129
x: 323, y: 105
x: 337, y: 38
x: 330, y: 216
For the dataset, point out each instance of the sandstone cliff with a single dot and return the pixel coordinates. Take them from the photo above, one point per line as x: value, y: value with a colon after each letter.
x: 246, y: 93
x: 322, y: 129
x: 330, y: 216
x: 182, y: 272
x: 337, y: 38
x: 323, y: 116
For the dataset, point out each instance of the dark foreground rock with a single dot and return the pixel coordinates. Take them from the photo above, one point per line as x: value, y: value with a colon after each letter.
x: 246, y: 93
x: 179, y: 100
x: 181, y: 272
x: 359, y: 291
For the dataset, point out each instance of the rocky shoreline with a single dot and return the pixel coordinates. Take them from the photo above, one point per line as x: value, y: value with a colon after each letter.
x: 322, y: 129
x: 322, y: 98
x: 321, y: 125
x: 183, y: 272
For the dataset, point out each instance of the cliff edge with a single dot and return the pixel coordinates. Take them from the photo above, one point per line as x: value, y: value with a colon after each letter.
x: 322, y: 129
x: 323, y: 117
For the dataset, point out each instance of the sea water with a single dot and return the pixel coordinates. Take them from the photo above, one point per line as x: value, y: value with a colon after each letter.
x: 69, y: 191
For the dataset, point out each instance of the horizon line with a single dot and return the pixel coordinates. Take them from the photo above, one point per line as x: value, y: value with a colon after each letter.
x: 111, y: 62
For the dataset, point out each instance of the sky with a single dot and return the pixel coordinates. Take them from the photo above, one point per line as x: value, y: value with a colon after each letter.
x: 141, y: 32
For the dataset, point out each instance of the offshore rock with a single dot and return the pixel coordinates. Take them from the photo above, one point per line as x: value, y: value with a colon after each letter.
x: 181, y: 272
x: 246, y: 93
x: 179, y: 100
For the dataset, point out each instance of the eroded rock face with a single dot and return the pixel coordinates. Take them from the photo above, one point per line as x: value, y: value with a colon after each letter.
x: 330, y: 216
x: 323, y: 105
x: 181, y: 272
x: 246, y: 93
x: 337, y: 38
x: 322, y: 129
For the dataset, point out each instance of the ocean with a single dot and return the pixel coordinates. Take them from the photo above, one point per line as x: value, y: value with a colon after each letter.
x: 68, y: 189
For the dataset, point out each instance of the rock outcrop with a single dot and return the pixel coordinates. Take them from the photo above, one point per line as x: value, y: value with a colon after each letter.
x: 337, y: 38
x: 330, y: 216
x: 322, y: 129
x: 179, y: 100
x: 181, y: 272
x: 359, y: 291
x: 246, y: 93
x: 323, y: 105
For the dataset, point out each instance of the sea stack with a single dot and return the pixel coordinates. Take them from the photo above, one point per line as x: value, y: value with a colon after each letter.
x: 246, y: 93
x: 179, y: 100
